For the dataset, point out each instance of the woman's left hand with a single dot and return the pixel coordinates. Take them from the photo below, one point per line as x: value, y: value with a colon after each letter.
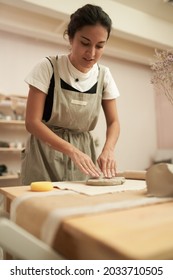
x: 107, y: 163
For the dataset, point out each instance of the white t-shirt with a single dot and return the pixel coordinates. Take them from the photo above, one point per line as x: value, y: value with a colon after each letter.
x: 41, y: 74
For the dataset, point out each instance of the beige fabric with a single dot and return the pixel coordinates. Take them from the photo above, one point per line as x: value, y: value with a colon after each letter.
x: 74, y: 114
x: 82, y: 187
x: 159, y: 179
x: 44, y: 214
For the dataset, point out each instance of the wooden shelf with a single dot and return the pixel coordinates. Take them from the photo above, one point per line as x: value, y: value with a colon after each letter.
x: 13, y: 133
x: 10, y: 149
x: 18, y: 122
x: 9, y: 177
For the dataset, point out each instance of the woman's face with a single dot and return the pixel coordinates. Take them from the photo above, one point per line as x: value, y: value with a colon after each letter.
x: 87, y: 46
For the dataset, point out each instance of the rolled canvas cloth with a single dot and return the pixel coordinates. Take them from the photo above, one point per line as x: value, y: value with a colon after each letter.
x: 159, y: 180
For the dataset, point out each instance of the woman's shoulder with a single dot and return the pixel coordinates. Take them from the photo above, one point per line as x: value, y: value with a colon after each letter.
x: 40, y: 75
x: 43, y: 65
x: 110, y: 88
x: 45, y: 62
x: 104, y: 68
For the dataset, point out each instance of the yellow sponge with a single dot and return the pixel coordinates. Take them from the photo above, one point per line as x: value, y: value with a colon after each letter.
x: 41, y: 186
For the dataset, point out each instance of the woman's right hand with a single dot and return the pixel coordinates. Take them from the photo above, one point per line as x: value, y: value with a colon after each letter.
x: 84, y: 163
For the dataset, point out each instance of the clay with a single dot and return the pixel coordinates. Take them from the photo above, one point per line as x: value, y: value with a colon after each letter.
x: 106, y: 181
x: 159, y: 179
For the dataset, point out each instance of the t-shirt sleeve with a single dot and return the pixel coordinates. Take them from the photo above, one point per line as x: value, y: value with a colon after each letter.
x: 110, y: 90
x: 40, y: 75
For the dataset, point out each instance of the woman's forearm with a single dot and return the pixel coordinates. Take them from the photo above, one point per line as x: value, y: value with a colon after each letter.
x: 112, y: 135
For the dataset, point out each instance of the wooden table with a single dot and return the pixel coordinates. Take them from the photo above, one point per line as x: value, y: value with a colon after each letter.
x: 144, y: 232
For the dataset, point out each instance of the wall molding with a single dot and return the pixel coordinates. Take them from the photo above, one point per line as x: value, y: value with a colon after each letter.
x: 44, y: 20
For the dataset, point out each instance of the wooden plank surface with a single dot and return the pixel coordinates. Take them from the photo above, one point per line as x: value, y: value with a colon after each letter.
x: 13, y: 192
x: 139, y: 233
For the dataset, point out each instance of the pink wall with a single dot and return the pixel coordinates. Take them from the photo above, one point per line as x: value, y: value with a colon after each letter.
x: 164, y: 116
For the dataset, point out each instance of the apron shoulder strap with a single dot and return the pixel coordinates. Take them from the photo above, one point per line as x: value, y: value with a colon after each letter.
x: 49, y: 98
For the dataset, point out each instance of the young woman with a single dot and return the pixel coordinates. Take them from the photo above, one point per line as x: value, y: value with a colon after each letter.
x: 65, y: 96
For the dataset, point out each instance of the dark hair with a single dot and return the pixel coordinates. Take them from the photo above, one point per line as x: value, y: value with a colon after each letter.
x: 88, y: 15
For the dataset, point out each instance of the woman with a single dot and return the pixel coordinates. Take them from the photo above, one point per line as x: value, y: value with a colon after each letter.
x: 65, y: 96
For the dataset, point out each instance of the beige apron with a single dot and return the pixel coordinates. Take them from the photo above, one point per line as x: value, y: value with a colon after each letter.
x: 74, y: 114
